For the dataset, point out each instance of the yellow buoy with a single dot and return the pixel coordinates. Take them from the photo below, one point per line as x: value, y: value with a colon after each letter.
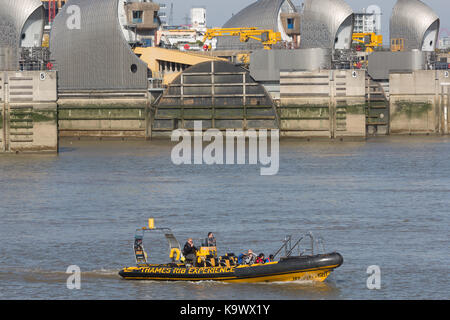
x: 151, y: 223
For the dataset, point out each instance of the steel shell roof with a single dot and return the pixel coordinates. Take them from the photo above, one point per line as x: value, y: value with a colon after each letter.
x: 96, y: 56
x: 410, y: 20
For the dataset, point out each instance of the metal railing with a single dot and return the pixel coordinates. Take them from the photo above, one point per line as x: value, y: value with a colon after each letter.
x: 35, y: 59
x: 283, y: 45
x: 155, y: 83
x: 314, y: 245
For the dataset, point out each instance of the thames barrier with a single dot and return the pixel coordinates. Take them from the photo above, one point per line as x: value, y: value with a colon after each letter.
x: 67, y: 71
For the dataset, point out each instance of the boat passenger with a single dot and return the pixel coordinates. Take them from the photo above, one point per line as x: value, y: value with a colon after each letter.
x: 270, y: 258
x: 250, y: 257
x: 211, y: 240
x: 138, y: 244
x: 261, y: 258
x: 247, y: 257
x: 189, y: 250
x: 241, y: 257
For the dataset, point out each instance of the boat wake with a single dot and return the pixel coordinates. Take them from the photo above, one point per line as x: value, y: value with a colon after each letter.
x: 43, y: 275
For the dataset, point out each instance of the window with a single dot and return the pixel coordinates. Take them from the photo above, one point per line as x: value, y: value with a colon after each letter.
x: 290, y: 23
x: 137, y: 16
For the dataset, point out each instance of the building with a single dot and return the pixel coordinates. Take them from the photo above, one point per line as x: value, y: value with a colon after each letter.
x: 139, y: 20
x: 368, y: 21
x: 167, y: 64
x: 277, y: 15
x: 415, y: 25
x: 162, y: 14
x: 444, y: 43
x: 198, y: 19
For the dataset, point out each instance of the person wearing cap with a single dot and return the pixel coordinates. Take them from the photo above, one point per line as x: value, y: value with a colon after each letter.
x: 250, y: 257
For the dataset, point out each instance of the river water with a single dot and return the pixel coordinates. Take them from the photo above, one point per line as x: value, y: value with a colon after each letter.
x: 381, y: 202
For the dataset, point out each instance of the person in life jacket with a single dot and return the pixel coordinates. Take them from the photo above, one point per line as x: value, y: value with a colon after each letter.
x: 261, y: 258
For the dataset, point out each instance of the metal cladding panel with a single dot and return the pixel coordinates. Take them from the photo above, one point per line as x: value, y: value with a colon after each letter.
x: 96, y: 56
x: 410, y: 20
x: 19, y: 11
x: 267, y: 64
x: 9, y: 44
x: 262, y: 14
x: 321, y: 20
x: 13, y: 16
x: 381, y: 64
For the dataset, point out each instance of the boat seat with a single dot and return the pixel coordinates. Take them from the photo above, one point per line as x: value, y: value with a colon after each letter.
x: 211, y: 261
x: 225, y: 263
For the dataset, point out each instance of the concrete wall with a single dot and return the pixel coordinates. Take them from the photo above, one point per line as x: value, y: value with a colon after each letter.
x: 104, y: 114
x: 415, y: 101
x: 28, y: 112
x: 327, y: 103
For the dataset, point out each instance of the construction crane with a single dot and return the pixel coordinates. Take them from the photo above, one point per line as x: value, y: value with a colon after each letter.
x: 267, y: 37
x: 370, y: 40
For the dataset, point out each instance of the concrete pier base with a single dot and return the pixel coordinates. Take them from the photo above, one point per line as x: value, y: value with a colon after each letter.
x: 416, y: 103
x: 327, y: 104
x: 28, y: 112
x: 104, y: 114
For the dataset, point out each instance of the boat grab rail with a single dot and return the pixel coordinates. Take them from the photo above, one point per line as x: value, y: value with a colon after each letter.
x: 315, y: 243
x: 170, y: 238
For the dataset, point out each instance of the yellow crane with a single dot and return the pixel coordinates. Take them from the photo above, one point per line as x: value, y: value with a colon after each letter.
x: 370, y: 40
x: 267, y: 37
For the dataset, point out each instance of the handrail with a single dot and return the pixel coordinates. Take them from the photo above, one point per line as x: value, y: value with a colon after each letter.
x: 289, y: 248
x: 172, y: 241
x: 293, y: 247
x: 286, y: 240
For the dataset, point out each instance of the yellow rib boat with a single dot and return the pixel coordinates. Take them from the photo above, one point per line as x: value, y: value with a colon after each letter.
x: 228, y: 268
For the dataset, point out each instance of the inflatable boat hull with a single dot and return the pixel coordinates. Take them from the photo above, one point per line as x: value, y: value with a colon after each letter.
x: 315, y: 268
